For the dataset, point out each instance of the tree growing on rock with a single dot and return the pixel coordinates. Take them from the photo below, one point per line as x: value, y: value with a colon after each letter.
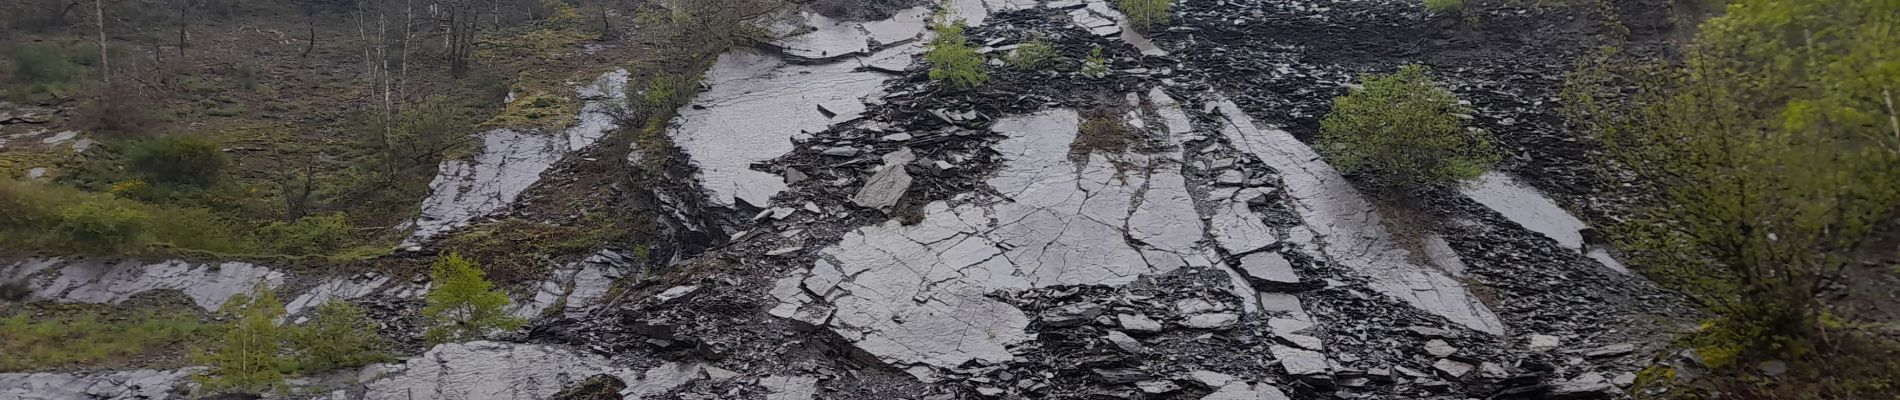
x: 1403, y: 131
x: 339, y: 335
x: 952, y: 59
x: 464, y: 305
x: 1773, y: 153
x: 247, y: 361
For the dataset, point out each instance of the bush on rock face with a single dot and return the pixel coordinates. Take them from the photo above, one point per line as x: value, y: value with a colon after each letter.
x: 952, y: 59
x: 464, y: 305
x: 1403, y: 131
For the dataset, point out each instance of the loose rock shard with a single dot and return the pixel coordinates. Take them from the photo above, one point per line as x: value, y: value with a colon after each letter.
x: 1300, y: 361
x: 887, y: 186
x: 1269, y: 270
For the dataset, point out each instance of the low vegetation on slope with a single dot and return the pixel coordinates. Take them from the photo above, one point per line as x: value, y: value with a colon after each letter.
x: 118, y: 338
x: 269, y: 140
x: 1402, y: 131
x: 1774, y: 149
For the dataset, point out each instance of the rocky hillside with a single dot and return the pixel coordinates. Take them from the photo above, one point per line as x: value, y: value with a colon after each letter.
x: 1146, y: 220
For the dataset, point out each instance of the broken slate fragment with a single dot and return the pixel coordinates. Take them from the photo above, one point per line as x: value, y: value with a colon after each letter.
x: 675, y: 293
x: 1071, y: 315
x: 1299, y: 361
x: 1210, y: 321
x: 1452, y: 368
x: 793, y: 175
x: 1438, y: 348
x: 1244, y: 391
x: 885, y: 187
x: 1138, y: 323
x: 1157, y: 386
x: 1269, y: 269
x: 1589, y: 385
x: 1123, y: 375
x: 1125, y: 342
x: 1610, y: 351
x: 1543, y: 342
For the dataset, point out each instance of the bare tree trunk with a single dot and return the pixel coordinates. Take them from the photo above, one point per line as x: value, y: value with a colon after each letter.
x: 310, y: 27
x: 183, y: 7
x: 105, y: 65
x: 408, y: 33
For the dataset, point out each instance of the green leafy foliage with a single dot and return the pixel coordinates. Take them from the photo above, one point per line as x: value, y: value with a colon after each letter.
x: 464, y: 305
x: 247, y: 360
x: 1403, y: 131
x: 952, y: 59
x: 177, y: 160
x: 86, y: 339
x: 1145, y: 14
x: 1032, y: 55
x: 1096, y: 66
x: 309, y: 235
x: 1445, y: 6
x: 102, y: 224
x: 339, y: 335
x: 1773, y: 151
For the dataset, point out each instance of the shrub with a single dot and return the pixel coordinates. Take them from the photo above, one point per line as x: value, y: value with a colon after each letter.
x: 464, y: 305
x: 102, y: 224
x: 339, y: 335
x: 120, y: 114
x: 1095, y: 66
x: 1034, y: 54
x: 1403, y: 131
x: 307, y: 235
x: 247, y: 360
x: 952, y: 59
x: 1144, y: 14
x: 1771, y: 155
x: 177, y: 159
x: 1445, y: 6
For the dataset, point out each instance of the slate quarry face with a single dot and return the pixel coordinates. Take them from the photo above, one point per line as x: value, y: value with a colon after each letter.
x: 917, y: 294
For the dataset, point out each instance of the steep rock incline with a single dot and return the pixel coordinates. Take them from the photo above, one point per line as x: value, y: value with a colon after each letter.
x: 513, y: 160
x: 1344, y: 227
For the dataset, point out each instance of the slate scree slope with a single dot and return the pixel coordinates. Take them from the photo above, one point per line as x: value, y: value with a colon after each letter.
x: 886, y: 237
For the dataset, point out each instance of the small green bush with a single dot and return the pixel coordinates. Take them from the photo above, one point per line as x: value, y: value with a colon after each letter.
x: 464, y: 305
x: 102, y: 224
x: 1404, y: 131
x: 339, y: 335
x: 1034, y: 54
x: 952, y: 59
x: 1095, y: 66
x: 1445, y: 6
x: 178, y: 160
x: 1144, y: 14
x: 308, y: 235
